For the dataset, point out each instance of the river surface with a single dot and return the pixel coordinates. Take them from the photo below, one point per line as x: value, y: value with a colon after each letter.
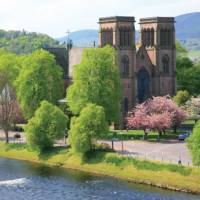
x: 27, y: 181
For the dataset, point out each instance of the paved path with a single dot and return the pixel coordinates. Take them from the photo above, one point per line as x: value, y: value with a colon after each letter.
x: 168, y: 151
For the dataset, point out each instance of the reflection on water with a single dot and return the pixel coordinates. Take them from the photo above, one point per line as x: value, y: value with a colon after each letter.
x: 26, y: 181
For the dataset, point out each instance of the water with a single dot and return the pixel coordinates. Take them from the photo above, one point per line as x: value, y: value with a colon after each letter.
x: 26, y: 181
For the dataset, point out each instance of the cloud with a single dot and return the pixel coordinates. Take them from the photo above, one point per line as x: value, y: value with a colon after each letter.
x: 54, y: 17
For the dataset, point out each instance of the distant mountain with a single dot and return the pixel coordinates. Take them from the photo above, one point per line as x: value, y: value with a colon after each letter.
x: 82, y: 38
x: 187, y: 32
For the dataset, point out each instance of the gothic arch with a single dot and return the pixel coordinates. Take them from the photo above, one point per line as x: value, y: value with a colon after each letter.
x: 125, y: 66
x: 165, y: 64
x: 143, y: 85
x: 126, y: 105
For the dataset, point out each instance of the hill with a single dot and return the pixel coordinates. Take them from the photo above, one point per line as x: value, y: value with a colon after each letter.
x: 187, y: 32
x: 22, y: 42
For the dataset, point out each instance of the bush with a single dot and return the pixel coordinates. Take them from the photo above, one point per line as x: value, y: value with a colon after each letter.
x: 181, y: 97
x: 49, y: 123
x: 90, y: 125
x: 194, y: 144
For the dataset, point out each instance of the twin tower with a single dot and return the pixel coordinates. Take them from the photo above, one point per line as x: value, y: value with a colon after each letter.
x: 147, y: 68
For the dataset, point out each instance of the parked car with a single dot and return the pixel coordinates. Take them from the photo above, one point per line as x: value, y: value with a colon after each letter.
x: 183, y: 136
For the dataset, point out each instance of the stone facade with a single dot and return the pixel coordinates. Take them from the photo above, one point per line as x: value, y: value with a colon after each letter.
x: 149, y: 69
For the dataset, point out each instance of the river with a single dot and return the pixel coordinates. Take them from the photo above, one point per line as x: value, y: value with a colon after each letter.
x: 28, y: 181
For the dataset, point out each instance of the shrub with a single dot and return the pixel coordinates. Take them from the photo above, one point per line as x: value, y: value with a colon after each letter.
x: 194, y: 144
x: 49, y: 123
x: 181, y: 97
x: 90, y: 125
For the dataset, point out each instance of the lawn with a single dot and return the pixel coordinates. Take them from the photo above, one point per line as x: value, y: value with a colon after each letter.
x: 111, y: 164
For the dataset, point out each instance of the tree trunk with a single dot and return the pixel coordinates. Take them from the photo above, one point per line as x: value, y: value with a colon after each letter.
x: 6, y: 135
x: 145, y: 135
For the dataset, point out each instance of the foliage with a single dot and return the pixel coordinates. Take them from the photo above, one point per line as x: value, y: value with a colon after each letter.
x: 183, y: 63
x: 39, y: 79
x: 181, y: 50
x: 181, y: 97
x: 194, y: 144
x: 158, y: 113
x: 9, y: 70
x: 192, y: 106
x: 188, y: 79
x: 22, y: 42
x: 90, y: 125
x: 96, y: 80
x: 48, y: 124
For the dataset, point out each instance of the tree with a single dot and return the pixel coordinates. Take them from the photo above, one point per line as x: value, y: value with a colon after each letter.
x: 8, y: 72
x: 96, y: 80
x: 181, y: 50
x: 181, y: 97
x: 187, y: 75
x: 158, y: 113
x: 48, y: 124
x: 194, y: 144
x: 39, y: 79
x: 22, y: 42
x: 192, y: 106
x: 90, y: 125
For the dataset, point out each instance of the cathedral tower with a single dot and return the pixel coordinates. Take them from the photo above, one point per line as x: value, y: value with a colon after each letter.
x: 119, y: 32
x: 157, y: 37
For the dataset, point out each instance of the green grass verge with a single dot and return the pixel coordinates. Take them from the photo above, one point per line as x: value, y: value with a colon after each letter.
x: 111, y: 164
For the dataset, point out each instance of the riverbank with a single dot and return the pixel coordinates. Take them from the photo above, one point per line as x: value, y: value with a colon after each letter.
x: 166, y: 176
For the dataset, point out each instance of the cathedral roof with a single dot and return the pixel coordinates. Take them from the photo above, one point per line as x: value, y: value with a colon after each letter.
x: 117, y: 19
x: 157, y: 20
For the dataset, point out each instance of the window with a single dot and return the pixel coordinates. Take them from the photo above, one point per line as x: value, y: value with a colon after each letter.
x: 165, y: 64
x: 125, y: 66
x: 126, y: 105
x: 107, y: 37
x: 125, y: 37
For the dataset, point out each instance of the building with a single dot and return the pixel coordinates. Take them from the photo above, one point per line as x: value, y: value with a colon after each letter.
x: 149, y: 69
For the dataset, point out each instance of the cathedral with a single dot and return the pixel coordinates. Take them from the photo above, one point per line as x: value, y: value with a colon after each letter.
x: 147, y: 68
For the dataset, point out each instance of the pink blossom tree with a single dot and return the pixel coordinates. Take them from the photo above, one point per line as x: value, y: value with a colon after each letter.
x: 157, y: 113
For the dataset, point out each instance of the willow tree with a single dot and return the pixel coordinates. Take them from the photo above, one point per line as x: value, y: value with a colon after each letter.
x: 96, y: 80
x: 40, y: 79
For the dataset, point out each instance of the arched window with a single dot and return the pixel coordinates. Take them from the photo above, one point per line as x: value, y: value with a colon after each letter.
x: 125, y: 66
x: 165, y: 64
x: 152, y: 37
x: 107, y: 37
x: 126, y: 105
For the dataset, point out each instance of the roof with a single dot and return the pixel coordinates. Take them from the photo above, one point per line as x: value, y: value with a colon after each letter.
x: 157, y: 20
x: 117, y: 19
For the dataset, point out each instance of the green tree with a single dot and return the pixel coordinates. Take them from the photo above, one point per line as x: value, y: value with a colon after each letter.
x: 194, y: 144
x: 39, y: 79
x: 96, y: 80
x: 183, y: 63
x: 22, y: 42
x: 181, y: 50
x: 48, y: 124
x: 181, y: 97
x: 9, y: 69
x: 90, y: 125
x: 188, y: 79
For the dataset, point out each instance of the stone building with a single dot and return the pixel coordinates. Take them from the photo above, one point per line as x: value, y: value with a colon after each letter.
x: 149, y: 69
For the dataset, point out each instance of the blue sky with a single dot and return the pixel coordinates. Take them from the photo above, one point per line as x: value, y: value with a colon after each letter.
x: 55, y: 17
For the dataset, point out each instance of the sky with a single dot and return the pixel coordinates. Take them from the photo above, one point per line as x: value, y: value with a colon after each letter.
x: 56, y: 17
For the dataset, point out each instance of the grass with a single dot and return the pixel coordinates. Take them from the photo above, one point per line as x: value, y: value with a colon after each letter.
x: 111, y: 164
